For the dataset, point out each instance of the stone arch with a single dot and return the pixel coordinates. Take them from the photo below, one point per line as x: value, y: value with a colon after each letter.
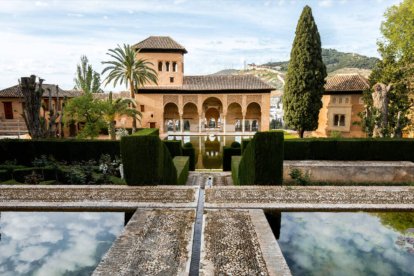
x: 190, y: 117
x: 253, y: 117
x: 171, y: 117
x: 212, y: 109
x: 234, y: 117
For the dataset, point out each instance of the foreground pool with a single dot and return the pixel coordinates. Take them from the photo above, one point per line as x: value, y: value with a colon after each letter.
x: 34, y: 243
x: 348, y: 243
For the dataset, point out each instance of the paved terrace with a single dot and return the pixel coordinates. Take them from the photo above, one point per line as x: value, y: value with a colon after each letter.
x: 235, y: 236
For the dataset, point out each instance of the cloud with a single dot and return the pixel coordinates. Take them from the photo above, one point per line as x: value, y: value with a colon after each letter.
x: 325, y: 3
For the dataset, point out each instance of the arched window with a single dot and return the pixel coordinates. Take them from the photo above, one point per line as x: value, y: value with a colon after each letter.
x: 175, y: 67
x: 167, y: 66
x: 160, y: 66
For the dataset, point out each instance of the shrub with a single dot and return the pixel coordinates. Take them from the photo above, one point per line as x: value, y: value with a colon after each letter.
x: 262, y: 160
x: 235, y: 164
x: 228, y: 152
x: 235, y: 144
x: 181, y: 164
x: 147, y: 161
x: 45, y: 173
x: 148, y: 131
x: 33, y: 178
x: 244, y: 144
x: 4, y: 175
x: 299, y: 177
x: 189, y: 151
x: 69, y: 150
x: 174, y: 147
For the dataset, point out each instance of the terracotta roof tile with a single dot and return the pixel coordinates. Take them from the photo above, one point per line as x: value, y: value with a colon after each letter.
x: 14, y: 92
x: 346, y: 82
x: 217, y: 82
x: 159, y: 43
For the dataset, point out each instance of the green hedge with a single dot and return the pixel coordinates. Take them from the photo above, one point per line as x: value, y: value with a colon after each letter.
x: 4, y: 175
x: 190, y: 152
x: 244, y: 144
x: 228, y: 152
x: 174, y: 147
x: 182, y: 165
x: 350, y: 149
x: 147, y: 131
x: 147, y: 161
x: 262, y: 160
x: 235, y: 164
x: 25, y: 151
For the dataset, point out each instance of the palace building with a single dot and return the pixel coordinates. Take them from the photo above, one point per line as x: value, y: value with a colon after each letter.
x: 198, y: 104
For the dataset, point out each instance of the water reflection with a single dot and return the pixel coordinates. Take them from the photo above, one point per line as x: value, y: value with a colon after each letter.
x: 34, y: 243
x: 347, y: 243
x: 209, y: 148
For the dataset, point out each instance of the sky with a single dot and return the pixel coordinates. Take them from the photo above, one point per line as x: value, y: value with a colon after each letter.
x: 48, y: 37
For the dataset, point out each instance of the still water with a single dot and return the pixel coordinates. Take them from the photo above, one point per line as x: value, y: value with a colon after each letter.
x: 36, y: 243
x: 348, y: 243
x: 209, y: 149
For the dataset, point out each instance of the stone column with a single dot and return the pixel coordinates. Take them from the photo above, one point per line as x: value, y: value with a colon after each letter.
x: 181, y: 123
x: 243, y: 123
x: 224, y: 123
x: 199, y: 123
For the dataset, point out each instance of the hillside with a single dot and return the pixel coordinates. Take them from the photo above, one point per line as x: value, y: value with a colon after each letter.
x: 335, y: 60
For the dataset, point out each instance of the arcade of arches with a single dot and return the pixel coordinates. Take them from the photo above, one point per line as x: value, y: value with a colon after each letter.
x: 214, y: 113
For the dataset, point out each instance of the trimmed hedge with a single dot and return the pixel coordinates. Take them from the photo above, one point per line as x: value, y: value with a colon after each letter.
x: 189, y: 151
x: 235, y: 164
x: 350, y: 149
x: 174, y: 147
x: 228, y: 152
x: 147, y: 131
x: 181, y: 164
x: 244, y: 144
x: 147, y: 161
x: 262, y: 160
x: 25, y: 151
x: 4, y: 175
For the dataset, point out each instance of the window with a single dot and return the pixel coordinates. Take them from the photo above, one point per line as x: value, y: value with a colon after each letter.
x: 167, y: 66
x: 347, y: 100
x: 160, y: 66
x: 175, y: 66
x: 340, y: 100
x: 171, y: 79
x: 334, y: 100
x: 142, y: 108
x: 339, y: 120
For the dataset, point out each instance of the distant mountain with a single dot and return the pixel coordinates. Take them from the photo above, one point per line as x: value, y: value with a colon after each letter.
x: 335, y: 60
x: 227, y: 72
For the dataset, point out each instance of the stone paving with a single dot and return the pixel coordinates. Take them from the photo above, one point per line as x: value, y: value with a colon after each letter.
x: 154, y: 242
x: 157, y: 240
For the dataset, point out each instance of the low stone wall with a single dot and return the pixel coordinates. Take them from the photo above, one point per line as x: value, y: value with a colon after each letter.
x: 352, y: 171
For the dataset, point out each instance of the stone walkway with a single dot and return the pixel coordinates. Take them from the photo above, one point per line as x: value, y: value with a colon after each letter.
x: 236, y: 238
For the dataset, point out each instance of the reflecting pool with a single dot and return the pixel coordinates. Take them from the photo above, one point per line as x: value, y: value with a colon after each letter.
x: 48, y: 243
x: 209, y: 148
x: 348, y: 243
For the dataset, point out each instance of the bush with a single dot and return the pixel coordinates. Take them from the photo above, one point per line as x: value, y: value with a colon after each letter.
x: 299, y: 177
x: 244, y: 144
x: 235, y: 144
x: 25, y: 151
x: 228, y: 152
x: 174, y: 147
x: 148, y: 131
x: 189, y: 151
x: 4, y: 175
x: 181, y: 164
x: 147, y: 161
x: 45, y: 173
x: 235, y: 164
x: 262, y: 160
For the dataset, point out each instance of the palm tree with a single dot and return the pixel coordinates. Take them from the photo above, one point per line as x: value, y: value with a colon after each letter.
x: 87, y: 80
x: 126, y: 68
x: 119, y: 107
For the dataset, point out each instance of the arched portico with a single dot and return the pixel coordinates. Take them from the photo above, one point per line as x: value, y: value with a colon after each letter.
x: 253, y: 117
x: 190, y: 117
x: 234, y: 117
x: 171, y: 117
x: 212, y: 110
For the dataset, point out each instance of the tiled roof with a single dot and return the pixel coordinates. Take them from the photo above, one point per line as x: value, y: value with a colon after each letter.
x: 115, y: 95
x: 14, y: 92
x: 346, y: 82
x: 217, y: 83
x: 159, y: 43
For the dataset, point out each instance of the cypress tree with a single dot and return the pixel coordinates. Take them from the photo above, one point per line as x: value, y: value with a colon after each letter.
x: 305, y: 78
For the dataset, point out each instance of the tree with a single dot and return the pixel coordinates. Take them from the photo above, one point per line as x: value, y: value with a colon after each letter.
x: 305, y: 78
x: 126, y: 68
x: 119, y: 107
x: 87, y: 80
x: 88, y: 110
x: 395, y: 70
